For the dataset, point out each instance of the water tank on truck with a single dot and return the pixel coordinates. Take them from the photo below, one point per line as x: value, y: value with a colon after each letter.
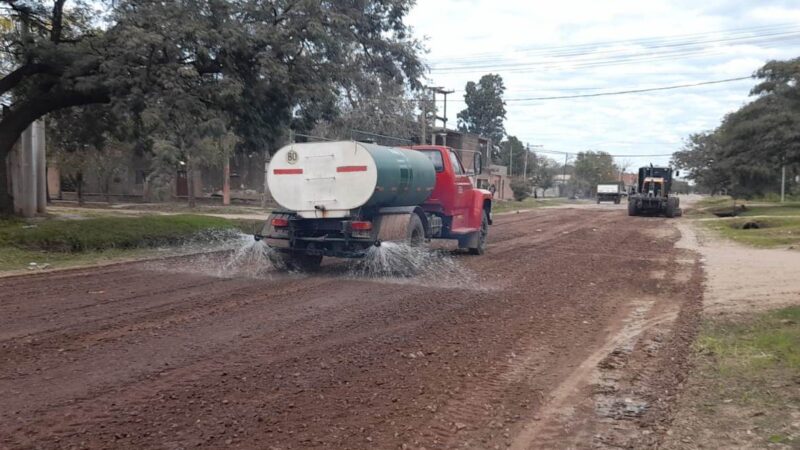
x: 330, y: 179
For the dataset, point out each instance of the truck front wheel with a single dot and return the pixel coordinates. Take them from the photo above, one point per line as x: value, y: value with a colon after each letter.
x: 672, y: 209
x: 484, y: 234
x: 632, y: 211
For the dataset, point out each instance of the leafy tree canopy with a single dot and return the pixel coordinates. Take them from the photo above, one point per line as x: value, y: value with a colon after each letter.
x: 266, y: 65
x: 486, y: 111
x: 744, y: 155
x: 593, y: 168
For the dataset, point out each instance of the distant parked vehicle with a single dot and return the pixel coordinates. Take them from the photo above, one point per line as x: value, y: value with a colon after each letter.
x: 610, y: 192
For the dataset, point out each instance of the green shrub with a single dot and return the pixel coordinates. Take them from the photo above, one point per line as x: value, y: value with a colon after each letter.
x: 108, y: 232
x: 521, y: 188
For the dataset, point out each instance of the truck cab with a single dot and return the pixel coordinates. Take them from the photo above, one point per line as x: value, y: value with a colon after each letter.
x: 455, y: 195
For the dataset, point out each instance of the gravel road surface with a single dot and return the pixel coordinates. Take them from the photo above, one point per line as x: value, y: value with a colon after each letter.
x: 571, y: 331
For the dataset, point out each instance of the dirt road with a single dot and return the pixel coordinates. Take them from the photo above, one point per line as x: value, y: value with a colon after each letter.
x: 570, y: 332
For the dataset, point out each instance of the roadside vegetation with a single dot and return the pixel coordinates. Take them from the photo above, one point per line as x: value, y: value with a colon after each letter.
x: 758, y: 222
x: 745, y: 389
x: 62, y: 242
x: 722, y: 205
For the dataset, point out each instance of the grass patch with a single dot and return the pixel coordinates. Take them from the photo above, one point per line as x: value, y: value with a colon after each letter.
x: 95, y: 239
x: 104, y: 233
x: 772, y: 231
x: 744, y: 391
x: 710, y: 206
x: 770, y: 342
x: 778, y: 209
x: 528, y: 203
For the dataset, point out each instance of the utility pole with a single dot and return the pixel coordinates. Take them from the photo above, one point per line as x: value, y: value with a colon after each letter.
x: 525, y: 166
x: 443, y: 118
x: 527, y: 154
x: 424, y: 122
x: 783, y: 183
x: 510, y: 159
x: 564, y: 174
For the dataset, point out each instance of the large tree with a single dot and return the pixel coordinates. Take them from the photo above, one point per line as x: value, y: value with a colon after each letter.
x: 593, y: 168
x: 745, y: 154
x: 486, y: 111
x: 380, y: 112
x: 700, y: 159
x: 512, y: 155
x: 280, y: 61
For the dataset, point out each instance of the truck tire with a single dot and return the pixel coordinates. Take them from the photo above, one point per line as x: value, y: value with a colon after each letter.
x: 632, y: 211
x: 617, y: 201
x: 484, y: 234
x: 598, y: 200
x: 672, y: 209
x: 401, y: 228
x: 415, y: 236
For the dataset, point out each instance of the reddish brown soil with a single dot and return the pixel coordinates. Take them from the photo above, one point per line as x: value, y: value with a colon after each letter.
x: 133, y: 356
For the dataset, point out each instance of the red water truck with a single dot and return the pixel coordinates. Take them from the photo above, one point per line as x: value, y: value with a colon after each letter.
x: 340, y: 198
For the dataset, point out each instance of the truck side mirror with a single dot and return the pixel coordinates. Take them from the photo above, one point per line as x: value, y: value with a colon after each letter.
x: 477, y: 163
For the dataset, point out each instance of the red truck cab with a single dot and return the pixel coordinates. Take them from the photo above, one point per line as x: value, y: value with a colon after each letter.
x: 455, y: 196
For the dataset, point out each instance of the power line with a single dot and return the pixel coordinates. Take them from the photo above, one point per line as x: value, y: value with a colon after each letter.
x: 640, y: 41
x: 653, y: 155
x: 611, y: 58
x: 589, y: 55
x: 608, y: 56
x: 562, y: 97
x: 630, y: 91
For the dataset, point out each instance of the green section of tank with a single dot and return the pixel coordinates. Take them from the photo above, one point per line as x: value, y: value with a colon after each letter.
x: 405, y: 177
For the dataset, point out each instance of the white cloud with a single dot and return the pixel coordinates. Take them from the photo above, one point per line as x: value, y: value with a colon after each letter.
x: 499, y: 34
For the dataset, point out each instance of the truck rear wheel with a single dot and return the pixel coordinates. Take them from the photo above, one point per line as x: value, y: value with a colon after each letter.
x: 484, y: 234
x: 405, y: 228
x: 416, y: 232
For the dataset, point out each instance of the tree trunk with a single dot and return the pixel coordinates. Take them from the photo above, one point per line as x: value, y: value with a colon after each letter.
x: 146, y: 189
x: 190, y: 183
x: 15, y: 121
x: 226, y: 182
x: 6, y: 201
x: 79, y: 188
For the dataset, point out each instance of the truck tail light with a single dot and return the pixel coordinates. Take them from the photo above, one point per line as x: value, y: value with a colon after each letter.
x: 280, y: 222
x: 361, y: 226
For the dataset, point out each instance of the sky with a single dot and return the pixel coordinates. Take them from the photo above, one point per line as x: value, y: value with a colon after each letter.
x: 576, y: 47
